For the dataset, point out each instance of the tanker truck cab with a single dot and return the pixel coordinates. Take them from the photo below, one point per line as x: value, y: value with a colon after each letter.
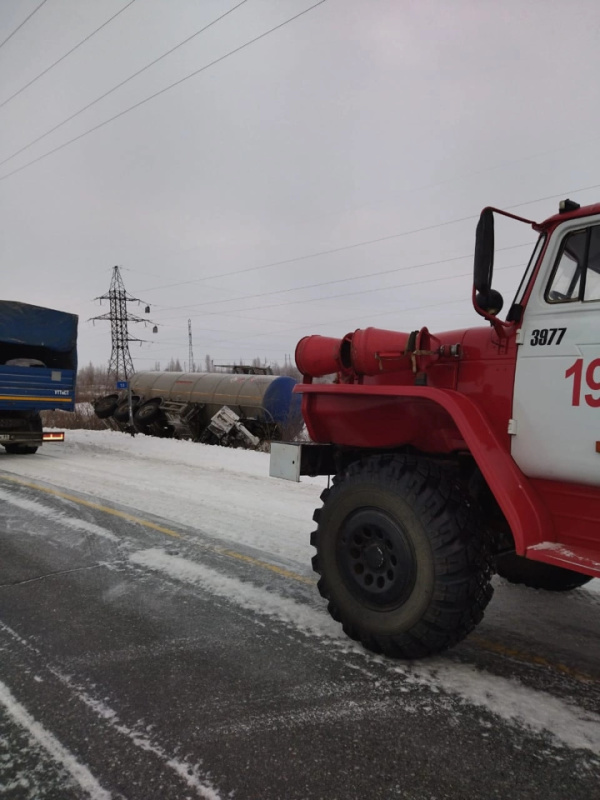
x: 459, y: 453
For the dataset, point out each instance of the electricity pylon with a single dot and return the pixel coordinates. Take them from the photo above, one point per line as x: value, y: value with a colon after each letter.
x: 120, y: 365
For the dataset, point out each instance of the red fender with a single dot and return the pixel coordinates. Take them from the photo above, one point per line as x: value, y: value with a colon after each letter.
x: 526, y: 514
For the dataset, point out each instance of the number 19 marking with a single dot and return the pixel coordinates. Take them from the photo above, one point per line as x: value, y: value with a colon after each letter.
x: 576, y: 371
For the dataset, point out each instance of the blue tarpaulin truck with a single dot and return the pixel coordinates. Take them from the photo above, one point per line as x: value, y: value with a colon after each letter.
x: 38, y: 368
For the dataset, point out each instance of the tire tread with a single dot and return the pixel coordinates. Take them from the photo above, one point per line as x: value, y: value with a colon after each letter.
x: 460, y: 550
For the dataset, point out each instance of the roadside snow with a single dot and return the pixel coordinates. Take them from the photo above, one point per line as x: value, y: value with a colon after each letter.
x: 224, y: 493
x: 243, y: 594
x: 80, y: 525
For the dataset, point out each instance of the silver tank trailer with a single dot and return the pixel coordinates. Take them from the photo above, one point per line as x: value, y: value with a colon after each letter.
x: 206, y: 406
x: 244, y: 394
x: 211, y: 407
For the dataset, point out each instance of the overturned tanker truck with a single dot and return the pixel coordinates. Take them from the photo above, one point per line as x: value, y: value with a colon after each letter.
x: 215, y: 408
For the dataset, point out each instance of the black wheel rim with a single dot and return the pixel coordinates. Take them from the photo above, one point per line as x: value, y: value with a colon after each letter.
x: 376, y: 558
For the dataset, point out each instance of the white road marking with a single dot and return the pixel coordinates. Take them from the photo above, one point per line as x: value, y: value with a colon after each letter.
x: 188, y: 772
x: 79, y: 772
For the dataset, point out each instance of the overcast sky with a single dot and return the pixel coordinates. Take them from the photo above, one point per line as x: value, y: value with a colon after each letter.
x: 360, y: 120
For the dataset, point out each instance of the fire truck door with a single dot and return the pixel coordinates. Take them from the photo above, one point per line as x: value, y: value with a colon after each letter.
x: 555, y: 422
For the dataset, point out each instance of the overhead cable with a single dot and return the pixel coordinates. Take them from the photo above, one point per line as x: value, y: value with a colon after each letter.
x: 363, y: 243
x: 160, y: 92
x: 62, y: 58
x: 18, y: 28
x: 118, y: 86
x: 364, y: 276
x: 409, y: 285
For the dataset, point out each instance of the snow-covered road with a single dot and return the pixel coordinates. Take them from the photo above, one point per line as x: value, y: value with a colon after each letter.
x: 191, y: 548
x: 226, y: 492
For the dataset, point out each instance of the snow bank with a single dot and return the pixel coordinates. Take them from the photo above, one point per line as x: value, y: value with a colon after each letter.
x: 224, y: 493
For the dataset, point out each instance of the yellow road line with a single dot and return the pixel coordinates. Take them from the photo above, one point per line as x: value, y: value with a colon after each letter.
x: 530, y: 658
x: 97, y: 506
x: 479, y: 641
x: 286, y: 573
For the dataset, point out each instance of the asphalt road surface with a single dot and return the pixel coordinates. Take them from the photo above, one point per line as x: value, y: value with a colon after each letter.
x: 143, y: 660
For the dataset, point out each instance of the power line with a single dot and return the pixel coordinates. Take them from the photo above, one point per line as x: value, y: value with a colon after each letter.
x: 465, y: 175
x: 337, y: 280
x: 311, y: 255
x: 119, y: 85
x: 437, y: 184
x: 348, y: 294
x: 329, y: 322
x: 160, y: 92
x: 154, y: 275
x: 350, y: 320
x: 18, y: 28
x: 364, y: 243
x: 62, y: 58
x: 343, y: 280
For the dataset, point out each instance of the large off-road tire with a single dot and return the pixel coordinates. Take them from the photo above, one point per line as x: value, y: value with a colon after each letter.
x: 105, y: 406
x: 402, y: 557
x: 20, y: 449
x: 538, y: 575
x: 147, y: 413
x: 121, y: 413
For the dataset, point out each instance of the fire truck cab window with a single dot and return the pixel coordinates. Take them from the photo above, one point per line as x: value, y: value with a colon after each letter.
x: 576, y: 275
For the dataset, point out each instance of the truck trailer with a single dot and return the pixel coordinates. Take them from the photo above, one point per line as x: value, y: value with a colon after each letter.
x: 459, y: 453
x: 231, y: 409
x: 38, y: 368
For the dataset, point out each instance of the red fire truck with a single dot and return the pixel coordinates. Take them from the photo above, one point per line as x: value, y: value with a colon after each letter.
x: 456, y: 454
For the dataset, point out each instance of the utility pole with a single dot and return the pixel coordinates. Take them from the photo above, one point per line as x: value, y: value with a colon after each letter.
x: 120, y: 365
x: 191, y: 351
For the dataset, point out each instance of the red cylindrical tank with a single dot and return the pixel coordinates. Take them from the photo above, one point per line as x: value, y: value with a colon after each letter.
x: 368, y: 351
x: 319, y: 355
x: 375, y: 350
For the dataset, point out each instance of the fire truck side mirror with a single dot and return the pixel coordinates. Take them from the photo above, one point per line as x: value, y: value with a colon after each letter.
x: 487, y: 298
x: 490, y: 302
x: 483, y: 266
